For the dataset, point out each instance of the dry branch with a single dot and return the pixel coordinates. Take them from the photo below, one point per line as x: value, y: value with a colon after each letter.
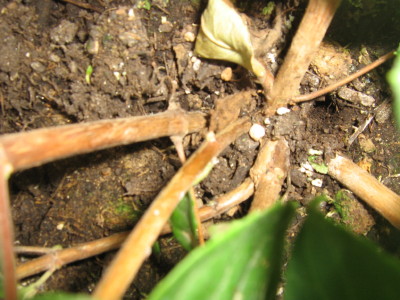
x: 269, y: 172
x: 311, y: 31
x: 334, y: 86
x: 365, y: 186
x: 138, y: 245
x: 7, y: 266
x: 28, y: 149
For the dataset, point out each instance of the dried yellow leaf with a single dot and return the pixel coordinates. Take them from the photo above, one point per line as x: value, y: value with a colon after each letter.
x: 223, y: 35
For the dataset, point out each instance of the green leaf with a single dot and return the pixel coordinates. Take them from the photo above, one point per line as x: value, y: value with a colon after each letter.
x: 62, y: 296
x: 223, y: 35
x: 243, y: 262
x: 393, y: 77
x: 88, y: 74
x: 317, y: 164
x: 183, y: 223
x: 330, y: 263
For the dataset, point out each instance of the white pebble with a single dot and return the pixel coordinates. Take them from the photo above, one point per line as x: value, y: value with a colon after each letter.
x: 282, y: 110
x: 196, y: 65
x: 315, y: 152
x: 257, y: 132
x: 317, y: 182
x: 307, y: 166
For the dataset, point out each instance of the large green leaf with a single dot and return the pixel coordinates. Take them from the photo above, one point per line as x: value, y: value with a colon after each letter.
x: 243, y: 262
x: 330, y: 263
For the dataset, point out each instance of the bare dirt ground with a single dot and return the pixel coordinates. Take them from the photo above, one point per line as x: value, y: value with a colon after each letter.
x: 46, y: 48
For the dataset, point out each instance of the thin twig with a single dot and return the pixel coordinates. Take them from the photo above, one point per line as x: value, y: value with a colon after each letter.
x: 334, y: 86
x: 58, y: 258
x: 28, y: 149
x: 306, y: 41
x: 138, y: 245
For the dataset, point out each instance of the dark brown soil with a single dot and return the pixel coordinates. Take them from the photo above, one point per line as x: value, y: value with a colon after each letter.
x: 46, y: 48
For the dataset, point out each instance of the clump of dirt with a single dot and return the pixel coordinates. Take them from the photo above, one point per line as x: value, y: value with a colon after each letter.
x: 47, y: 52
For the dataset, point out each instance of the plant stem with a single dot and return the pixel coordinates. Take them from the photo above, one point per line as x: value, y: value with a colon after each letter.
x: 311, y: 31
x: 334, y: 86
x: 365, y: 186
x: 7, y: 261
x: 269, y: 172
x: 138, y: 245
x: 28, y: 149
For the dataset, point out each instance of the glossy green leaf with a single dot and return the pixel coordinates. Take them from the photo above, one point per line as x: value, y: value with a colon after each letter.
x: 243, y: 262
x: 330, y: 263
x: 183, y: 223
x: 393, y: 77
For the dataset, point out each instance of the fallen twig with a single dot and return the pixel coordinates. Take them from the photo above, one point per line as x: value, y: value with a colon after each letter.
x: 365, y: 186
x: 269, y: 172
x: 138, y: 245
x: 334, y: 86
x: 7, y: 265
x: 28, y: 149
x: 312, y: 29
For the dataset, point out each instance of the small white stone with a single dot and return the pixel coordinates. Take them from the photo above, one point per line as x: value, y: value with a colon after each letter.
x: 117, y: 75
x: 196, y: 64
x: 164, y: 20
x: 131, y: 13
x: 210, y: 137
x: 315, y: 152
x: 317, y: 182
x: 267, y: 121
x: 257, y: 132
x: 60, y: 226
x: 282, y: 110
x: 271, y: 57
x: 307, y: 166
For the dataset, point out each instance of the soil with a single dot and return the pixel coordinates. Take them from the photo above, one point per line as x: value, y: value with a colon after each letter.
x: 46, y: 51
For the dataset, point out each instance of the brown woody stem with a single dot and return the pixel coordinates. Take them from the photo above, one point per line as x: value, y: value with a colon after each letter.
x: 365, y: 186
x: 7, y: 261
x: 28, y: 149
x: 312, y: 29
